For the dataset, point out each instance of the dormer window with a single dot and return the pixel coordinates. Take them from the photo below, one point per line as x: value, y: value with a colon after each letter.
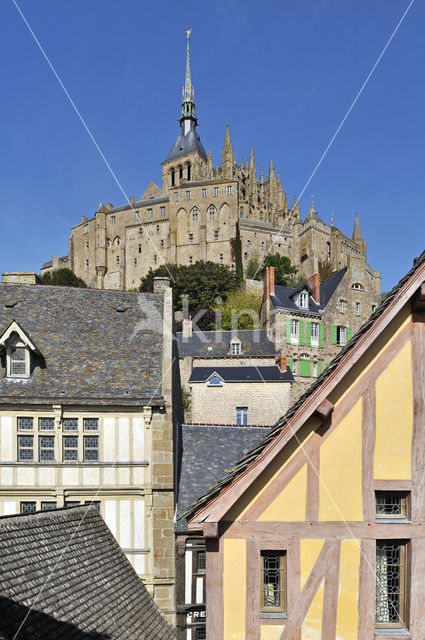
x: 303, y: 300
x: 215, y: 381
x: 18, y: 361
x: 18, y: 348
x: 357, y: 286
x: 235, y: 347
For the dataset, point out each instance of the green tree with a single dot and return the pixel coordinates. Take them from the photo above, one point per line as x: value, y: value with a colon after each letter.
x: 202, y: 282
x: 253, y: 267
x: 240, y: 311
x: 63, y: 278
x: 284, y: 270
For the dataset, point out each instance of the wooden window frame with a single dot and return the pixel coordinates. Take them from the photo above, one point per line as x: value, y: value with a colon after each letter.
x: 283, y: 571
x: 404, y: 572
x: 405, y: 504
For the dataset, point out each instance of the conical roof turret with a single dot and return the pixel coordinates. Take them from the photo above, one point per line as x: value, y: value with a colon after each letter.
x: 357, y: 232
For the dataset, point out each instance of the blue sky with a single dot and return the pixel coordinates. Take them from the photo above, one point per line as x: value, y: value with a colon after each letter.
x: 281, y: 73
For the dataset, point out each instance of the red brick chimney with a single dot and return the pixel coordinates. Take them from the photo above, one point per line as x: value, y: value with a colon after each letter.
x: 268, y: 282
x: 282, y: 362
x: 314, y: 284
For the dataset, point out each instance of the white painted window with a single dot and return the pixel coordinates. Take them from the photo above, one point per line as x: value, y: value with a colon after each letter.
x: 295, y: 327
x: 241, y: 415
x: 304, y: 300
x: 314, y: 334
x: 229, y: 190
x: 187, y: 195
x: 18, y: 361
x: 341, y: 335
x: 162, y: 211
x: 204, y: 193
x: 236, y: 348
x: 216, y: 191
x: 314, y: 367
x: 112, y: 219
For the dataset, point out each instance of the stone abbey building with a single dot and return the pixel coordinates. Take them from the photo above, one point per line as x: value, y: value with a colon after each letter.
x: 193, y: 216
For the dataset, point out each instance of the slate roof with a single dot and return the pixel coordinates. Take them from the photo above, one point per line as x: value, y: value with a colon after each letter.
x: 100, y: 347
x: 185, y: 144
x: 242, y: 464
x: 283, y: 297
x: 255, y: 343
x: 207, y: 452
x: 242, y: 374
x: 66, y: 571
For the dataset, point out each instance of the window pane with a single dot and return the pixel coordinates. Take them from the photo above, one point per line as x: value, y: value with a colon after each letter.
x: 93, y: 503
x: 72, y: 503
x: 25, y: 424
x: 70, y: 447
x: 273, y: 592
x: 390, y: 503
x: 91, y: 447
x: 48, y: 506
x: 25, y: 448
x: 202, y: 561
x: 201, y: 633
x: 46, y: 447
x: 70, y: 424
x: 46, y: 424
x: 28, y: 507
x: 389, y: 583
x: 91, y: 424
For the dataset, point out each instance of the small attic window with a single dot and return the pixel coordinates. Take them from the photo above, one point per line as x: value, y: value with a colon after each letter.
x: 357, y: 286
x: 303, y: 300
x: 18, y: 360
x: 235, y: 347
x: 215, y: 381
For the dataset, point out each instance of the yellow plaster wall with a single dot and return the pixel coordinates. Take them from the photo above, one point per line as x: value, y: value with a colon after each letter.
x: 341, y: 470
x: 234, y: 589
x: 271, y: 632
x: 290, y: 504
x: 394, y: 419
x: 312, y: 626
x: 347, y: 615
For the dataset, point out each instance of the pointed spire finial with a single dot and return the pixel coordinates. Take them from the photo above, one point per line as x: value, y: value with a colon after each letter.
x: 188, y: 101
x: 357, y: 232
x: 227, y: 142
x: 332, y: 218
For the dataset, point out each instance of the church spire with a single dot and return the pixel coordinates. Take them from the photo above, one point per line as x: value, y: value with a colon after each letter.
x: 357, y: 232
x: 188, y: 98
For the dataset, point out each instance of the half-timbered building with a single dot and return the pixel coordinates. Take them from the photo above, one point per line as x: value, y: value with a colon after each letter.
x: 319, y: 531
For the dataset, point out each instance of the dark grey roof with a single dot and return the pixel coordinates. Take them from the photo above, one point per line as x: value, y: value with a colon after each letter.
x: 215, y: 344
x: 329, y: 286
x: 284, y: 296
x: 282, y: 422
x: 139, y: 203
x: 101, y: 347
x: 242, y: 374
x: 185, y: 144
x: 206, y: 453
x: 65, y: 570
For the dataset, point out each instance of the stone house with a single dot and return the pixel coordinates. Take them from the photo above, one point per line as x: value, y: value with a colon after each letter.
x: 87, y: 413
x: 318, y: 531
x: 310, y: 324
x: 203, y: 455
x: 64, y: 576
x: 194, y: 213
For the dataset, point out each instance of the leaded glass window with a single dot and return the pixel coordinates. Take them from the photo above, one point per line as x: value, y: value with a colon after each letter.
x: 93, y: 503
x: 202, y: 561
x: 201, y: 633
x: 91, y: 447
x: 390, y: 583
x: 70, y: 424
x: 273, y: 592
x: 18, y: 362
x: 48, y: 506
x: 70, y: 447
x: 46, y: 447
x: 72, y: 503
x: 25, y: 424
x: 28, y: 507
x: 391, y: 504
x: 46, y: 424
x: 91, y: 424
x: 25, y: 448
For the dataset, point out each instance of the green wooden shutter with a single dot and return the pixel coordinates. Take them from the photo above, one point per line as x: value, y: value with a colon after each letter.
x: 334, y: 334
x: 319, y: 367
x: 291, y: 364
x: 349, y: 333
x: 301, y: 337
x: 288, y: 331
x: 308, y: 334
x: 305, y: 368
x: 322, y: 335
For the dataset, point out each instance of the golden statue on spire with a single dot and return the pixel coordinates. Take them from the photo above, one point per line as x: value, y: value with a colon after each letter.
x: 188, y: 32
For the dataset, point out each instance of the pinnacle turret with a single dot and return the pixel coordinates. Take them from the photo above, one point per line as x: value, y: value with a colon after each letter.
x: 188, y: 98
x: 357, y: 232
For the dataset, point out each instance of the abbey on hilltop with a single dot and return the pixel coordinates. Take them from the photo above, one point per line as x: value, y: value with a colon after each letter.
x: 194, y: 214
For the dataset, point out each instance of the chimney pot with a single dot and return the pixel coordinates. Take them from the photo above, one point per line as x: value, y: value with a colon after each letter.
x: 314, y: 284
x: 187, y: 327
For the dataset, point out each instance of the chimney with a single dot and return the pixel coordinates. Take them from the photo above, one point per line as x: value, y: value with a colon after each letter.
x: 282, y: 362
x: 160, y: 284
x: 187, y: 328
x: 268, y: 282
x: 271, y: 280
x: 21, y: 278
x: 314, y: 284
